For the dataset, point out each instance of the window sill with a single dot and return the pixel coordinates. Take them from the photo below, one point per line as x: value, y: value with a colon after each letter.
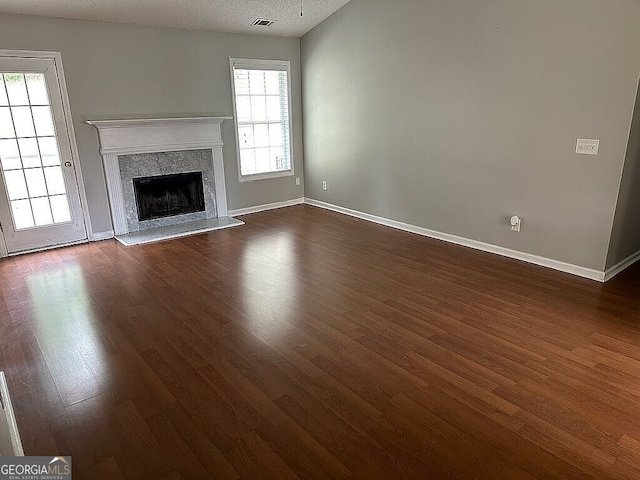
x: 265, y: 176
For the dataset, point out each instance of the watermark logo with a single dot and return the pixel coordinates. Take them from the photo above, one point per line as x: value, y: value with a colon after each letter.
x: 35, y: 468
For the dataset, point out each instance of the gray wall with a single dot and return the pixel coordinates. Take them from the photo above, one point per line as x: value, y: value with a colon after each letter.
x: 625, y: 236
x: 126, y: 71
x: 453, y: 115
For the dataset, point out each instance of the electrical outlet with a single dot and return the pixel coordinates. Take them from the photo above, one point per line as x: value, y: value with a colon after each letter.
x: 324, y: 185
x: 586, y: 146
x: 516, y: 221
x: 297, y: 180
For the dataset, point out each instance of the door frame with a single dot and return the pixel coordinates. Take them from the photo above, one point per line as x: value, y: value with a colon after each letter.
x: 66, y: 109
x: 3, y: 246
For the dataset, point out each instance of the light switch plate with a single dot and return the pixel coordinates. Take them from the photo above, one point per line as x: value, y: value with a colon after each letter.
x: 586, y: 146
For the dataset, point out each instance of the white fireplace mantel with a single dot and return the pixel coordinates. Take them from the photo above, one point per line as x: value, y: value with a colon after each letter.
x: 154, y: 135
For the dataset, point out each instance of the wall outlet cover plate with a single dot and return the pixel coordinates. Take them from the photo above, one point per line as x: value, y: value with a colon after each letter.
x: 586, y: 146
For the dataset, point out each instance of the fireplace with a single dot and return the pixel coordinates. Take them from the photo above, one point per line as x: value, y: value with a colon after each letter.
x: 149, y: 166
x: 169, y: 195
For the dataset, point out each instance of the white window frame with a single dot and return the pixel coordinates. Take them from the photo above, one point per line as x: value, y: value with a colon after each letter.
x: 256, y: 64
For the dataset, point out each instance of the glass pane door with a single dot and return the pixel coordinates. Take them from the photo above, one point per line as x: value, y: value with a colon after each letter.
x: 41, y: 194
x: 29, y: 152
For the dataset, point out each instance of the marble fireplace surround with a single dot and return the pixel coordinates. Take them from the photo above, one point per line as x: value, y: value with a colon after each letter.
x: 128, y: 140
x: 142, y: 165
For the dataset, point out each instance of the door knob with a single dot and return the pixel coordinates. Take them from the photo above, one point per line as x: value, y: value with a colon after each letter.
x: 67, y: 164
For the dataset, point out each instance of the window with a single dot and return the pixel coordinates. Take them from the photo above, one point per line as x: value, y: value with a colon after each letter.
x: 33, y: 176
x: 261, y: 94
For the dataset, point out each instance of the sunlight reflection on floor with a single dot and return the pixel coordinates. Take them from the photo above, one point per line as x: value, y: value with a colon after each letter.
x: 65, y: 329
x: 270, y: 286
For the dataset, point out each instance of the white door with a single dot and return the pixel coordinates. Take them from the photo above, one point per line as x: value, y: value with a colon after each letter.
x: 39, y: 200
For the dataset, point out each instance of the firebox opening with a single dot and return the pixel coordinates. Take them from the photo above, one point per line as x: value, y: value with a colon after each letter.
x: 169, y: 195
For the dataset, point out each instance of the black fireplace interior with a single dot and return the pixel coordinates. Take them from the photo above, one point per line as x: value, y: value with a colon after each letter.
x: 169, y: 195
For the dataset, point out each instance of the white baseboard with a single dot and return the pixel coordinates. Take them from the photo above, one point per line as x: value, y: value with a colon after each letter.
x: 6, y: 409
x: 99, y: 236
x: 267, y: 206
x: 3, y: 246
x: 620, y: 266
x: 466, y: 242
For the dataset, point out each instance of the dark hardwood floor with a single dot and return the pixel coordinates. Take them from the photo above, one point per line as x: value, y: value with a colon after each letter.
x: 307, y: 344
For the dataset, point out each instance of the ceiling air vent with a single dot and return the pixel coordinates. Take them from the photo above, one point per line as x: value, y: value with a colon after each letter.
x: 263, y: 22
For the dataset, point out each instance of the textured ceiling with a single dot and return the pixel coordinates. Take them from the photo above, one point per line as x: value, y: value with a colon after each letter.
x: 218, y: 15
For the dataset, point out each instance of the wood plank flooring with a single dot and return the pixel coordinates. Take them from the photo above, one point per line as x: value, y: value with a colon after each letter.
x: 308, y: 344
